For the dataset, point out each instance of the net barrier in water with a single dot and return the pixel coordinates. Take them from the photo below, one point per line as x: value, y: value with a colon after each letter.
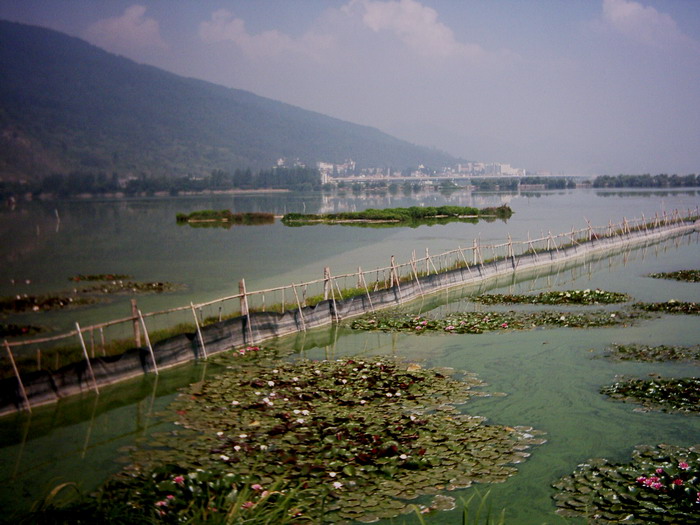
x: 22, y: 387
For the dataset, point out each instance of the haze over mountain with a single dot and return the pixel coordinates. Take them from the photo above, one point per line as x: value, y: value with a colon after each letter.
x: 66, y: 105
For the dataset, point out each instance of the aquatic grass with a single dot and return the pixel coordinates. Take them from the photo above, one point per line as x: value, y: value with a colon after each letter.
x: 659, y: 485
x: 665, y: 394
x: 413, y: 216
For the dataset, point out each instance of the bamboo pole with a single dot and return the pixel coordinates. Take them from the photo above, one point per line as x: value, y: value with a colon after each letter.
x: 244, y: 308
x: 199, y: 331
x: 395, y: 274
x: 364, y: 283
x: 87, y: 357
x: 335, y: 307
x: 19, y: 379
x: 301, y: 313
x: 148, y: 342
x: 135, y: 317
x: 327, y: 291
x: 415, y: 274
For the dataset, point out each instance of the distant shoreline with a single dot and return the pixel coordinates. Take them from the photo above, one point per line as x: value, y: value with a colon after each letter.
x: 122, y: 195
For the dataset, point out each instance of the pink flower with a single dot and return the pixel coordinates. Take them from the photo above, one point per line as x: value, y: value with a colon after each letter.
x: 504, y: 325
x: 170, y: 496
x: 162, y: 503
x: 659, y: 471
x: 657, y: 485
x: 641, y: 479
x: 678, y: 481
x: 256, y: 486
x: 179, y: 479
x: 248, y: 505
x: 683, y: 465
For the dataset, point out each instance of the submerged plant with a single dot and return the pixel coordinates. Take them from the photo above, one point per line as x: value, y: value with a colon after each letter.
x: 669, y: 395
x: 660, y: 485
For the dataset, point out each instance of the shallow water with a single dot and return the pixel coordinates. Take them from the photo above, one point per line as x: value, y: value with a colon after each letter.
x: 551, y: 377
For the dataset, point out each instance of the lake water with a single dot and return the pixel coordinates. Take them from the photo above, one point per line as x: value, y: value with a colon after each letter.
x: 551, y: 377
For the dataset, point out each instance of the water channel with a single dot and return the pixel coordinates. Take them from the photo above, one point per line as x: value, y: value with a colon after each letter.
x: 551, y: 377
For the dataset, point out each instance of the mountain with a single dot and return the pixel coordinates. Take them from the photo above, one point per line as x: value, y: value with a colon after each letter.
x: 66, y: 105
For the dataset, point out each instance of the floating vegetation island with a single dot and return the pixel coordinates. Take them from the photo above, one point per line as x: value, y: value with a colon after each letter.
x: 413, y: 216
x: 109, y: 284
x: 689, y: 276
x: 666, y: 394
x: 660, y: 485
x: 671, y: 307
x: 353, y: 439
x: 660, y: 353
x: 479, y: 322
x: 224, y: 218
x: 564, y: 297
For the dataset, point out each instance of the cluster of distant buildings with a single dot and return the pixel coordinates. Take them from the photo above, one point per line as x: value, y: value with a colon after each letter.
x: 348, y: 169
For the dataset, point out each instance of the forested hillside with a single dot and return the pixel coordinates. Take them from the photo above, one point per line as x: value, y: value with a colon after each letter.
x: 67, y: 106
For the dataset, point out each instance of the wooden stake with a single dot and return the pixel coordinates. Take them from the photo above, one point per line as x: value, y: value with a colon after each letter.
x: 301, y: 313
x: 199, y: 331
x: 19, y: 379
x: 137, y: 332
x: 244, y: 308
x: 148, y: 342
x: 87, y: 357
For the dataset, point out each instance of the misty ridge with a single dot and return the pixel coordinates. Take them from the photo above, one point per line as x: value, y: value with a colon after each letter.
x: 67, y: 106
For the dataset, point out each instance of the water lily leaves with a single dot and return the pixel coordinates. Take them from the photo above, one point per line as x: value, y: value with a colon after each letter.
x: 556, y: 297
x: 689, y: 276
x: 659, y: 485
x: 670, y: 307
x: 660, y: 353
x: 480, y: 322
x: 668, y: 395
x: 366, y: 436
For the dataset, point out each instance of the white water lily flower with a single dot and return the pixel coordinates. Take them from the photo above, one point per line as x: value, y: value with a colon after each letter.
x: 337, y: 484
x: 219, y: 433
x: 224, y: 457
x: 270, y: 383
x: 332, y: 474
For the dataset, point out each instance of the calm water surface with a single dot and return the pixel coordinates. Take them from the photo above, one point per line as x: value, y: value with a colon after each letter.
x: 551, y: 377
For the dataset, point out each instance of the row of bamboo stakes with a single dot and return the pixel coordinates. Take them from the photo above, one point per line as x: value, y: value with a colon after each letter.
x: 330, y: 286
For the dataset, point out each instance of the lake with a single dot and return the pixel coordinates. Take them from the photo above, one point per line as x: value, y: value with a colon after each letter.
x: 551, y: 377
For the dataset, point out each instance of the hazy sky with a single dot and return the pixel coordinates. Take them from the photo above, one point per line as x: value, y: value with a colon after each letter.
x: 568, y: 86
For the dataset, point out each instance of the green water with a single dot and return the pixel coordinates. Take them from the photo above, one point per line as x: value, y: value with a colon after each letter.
x: 551, y: 377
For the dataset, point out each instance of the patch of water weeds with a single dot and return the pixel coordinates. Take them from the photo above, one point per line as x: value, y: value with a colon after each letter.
x: 665, y: 394
x: 586, y: 296
x: 649, y: 354
x: 479, y: 322
x: 671, y: 307
x: 659, y: 485
x: 357, y: 439
x: 688, y: 276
